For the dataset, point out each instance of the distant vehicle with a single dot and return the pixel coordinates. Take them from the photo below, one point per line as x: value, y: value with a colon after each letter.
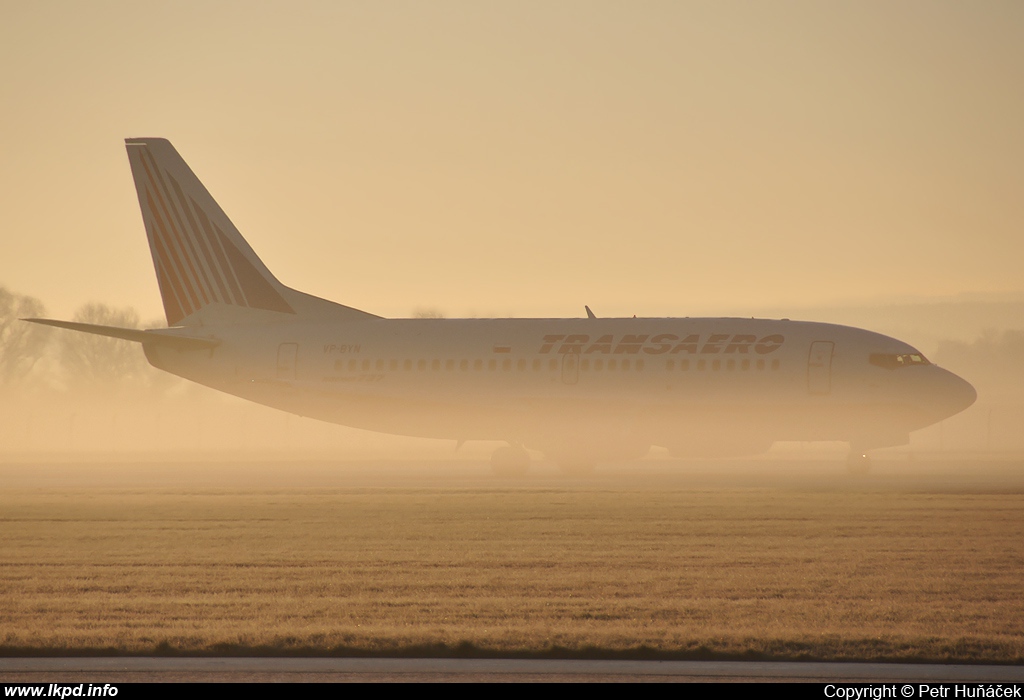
x: 580, y: 390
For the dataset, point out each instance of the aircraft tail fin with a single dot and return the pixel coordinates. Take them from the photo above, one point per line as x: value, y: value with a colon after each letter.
x: 206, y: 270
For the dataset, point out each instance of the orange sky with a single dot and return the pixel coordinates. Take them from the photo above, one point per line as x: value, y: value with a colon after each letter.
x: 658, y: 158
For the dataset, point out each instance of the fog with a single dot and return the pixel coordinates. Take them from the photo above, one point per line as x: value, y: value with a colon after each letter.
x: 850, y: 164
x: 68, y: 395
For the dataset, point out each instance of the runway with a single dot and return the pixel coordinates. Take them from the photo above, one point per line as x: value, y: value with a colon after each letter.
x: 341, y: 670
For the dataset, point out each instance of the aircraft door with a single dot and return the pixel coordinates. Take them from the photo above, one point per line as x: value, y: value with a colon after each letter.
x: 819, y: 368
x: 287, y: 360
x: 571, y: 367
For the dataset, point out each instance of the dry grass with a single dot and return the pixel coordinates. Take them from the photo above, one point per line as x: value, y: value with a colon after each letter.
x: 663, y: 568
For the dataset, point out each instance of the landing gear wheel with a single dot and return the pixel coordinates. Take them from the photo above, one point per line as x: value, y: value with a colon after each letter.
x: 510, y: 461
x: 858, y: 463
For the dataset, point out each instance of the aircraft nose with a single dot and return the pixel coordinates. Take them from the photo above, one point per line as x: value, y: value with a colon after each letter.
x: 954, y: 394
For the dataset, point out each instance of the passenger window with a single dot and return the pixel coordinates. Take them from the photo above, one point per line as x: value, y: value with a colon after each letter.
x: 380, y: 365
x: 585, y: 364
x: 407, y: 365
x: 536, y: 365
x: 639, y: 365
x: 670, y: 365
x: 366, y: 365
x: 449, y: 365
x: 352, y: 365
x: 684, y: 365
x: 521, y: 365
x: 421, y: 365
x: 478, y: 365
x: 394, y: 365
x: 435, y: 365
x: 775, y: 364
x: 492, y: 365
x: 506, y: 364
x: 611, y: 365
x: 463, y: 365
x: 700, y: 365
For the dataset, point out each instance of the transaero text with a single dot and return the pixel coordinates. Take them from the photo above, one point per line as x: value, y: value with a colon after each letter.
x: 662, y: 343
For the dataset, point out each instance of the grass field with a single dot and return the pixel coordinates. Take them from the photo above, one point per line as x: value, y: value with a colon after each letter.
x: 763, y: 560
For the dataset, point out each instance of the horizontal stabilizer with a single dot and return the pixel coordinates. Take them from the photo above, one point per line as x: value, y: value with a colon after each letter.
x: 158, y: 337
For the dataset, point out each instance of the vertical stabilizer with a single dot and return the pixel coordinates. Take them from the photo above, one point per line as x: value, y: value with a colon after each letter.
x: 206, y: 271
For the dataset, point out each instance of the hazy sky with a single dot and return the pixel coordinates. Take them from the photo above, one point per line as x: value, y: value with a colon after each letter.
x: 657, y: 158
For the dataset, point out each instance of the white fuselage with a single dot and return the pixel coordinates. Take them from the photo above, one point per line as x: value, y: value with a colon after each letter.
x: 580, y: 390
x: 586, y: 388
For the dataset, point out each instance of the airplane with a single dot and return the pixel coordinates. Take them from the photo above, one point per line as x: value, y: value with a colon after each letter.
x: 579, y: 390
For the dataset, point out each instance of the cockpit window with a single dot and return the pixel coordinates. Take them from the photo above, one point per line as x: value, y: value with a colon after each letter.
x: 887, y: 361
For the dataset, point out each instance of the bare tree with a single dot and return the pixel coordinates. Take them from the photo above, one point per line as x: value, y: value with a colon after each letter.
x: 97, y: 360
x: 21, y: 344
x: 427, y: 313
